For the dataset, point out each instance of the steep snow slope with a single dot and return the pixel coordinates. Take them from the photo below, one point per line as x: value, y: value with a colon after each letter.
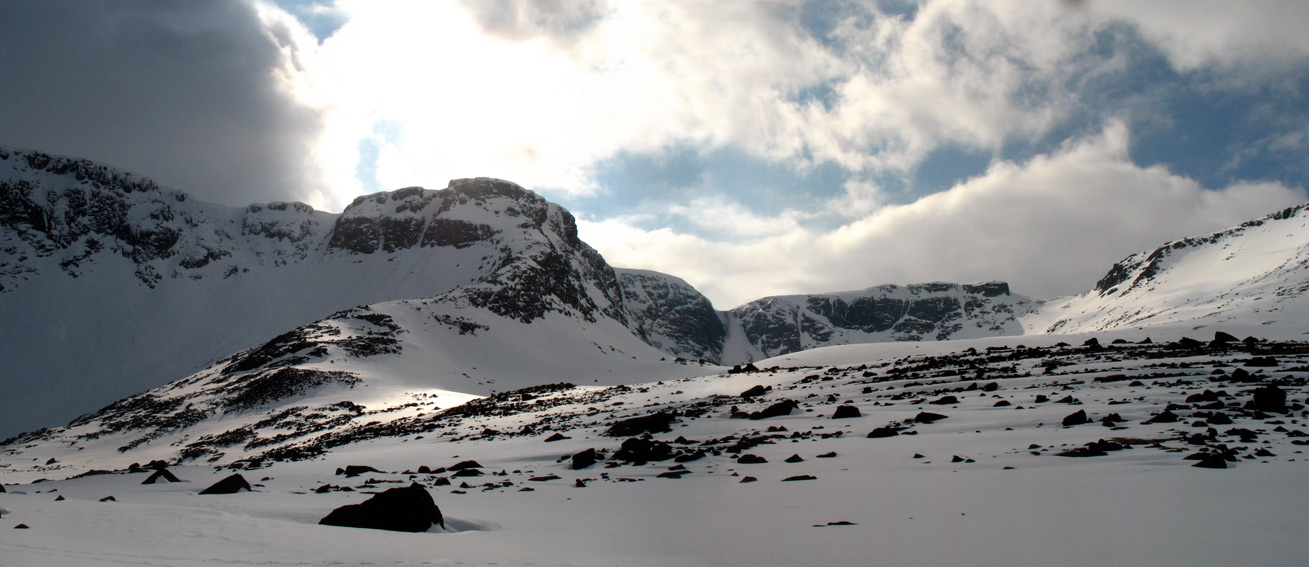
x: 388, y: 361
x: 1250, y: 279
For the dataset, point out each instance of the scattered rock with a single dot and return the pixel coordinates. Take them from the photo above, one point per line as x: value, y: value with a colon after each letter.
x: 407, y: 509
x: 829, y: 455
x: 754, y: 392
x: 109, y: 499
x: 799, y: 477
x: 465, y: 465
x: 229, y: 485
x: 21, y: 527
x: 794, y: 459
x: 556, y: 437
x: 746, y: 479
x: 749, y: 459
x: 944, y: 401
x: 928, y: 417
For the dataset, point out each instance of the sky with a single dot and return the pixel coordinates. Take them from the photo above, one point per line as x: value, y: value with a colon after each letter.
x: 751, y: 148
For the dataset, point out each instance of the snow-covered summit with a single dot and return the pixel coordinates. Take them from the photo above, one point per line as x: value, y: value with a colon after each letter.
x: 1253, y: 277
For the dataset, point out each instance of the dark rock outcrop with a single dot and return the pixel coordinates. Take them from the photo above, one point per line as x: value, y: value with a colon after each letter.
x: 407, y: 509
x: 230, y: 485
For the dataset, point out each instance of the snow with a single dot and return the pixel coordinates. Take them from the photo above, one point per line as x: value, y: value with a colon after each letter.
x: 1137, y: 506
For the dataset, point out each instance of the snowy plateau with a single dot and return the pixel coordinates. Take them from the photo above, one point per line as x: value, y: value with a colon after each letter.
x: 464, y: 349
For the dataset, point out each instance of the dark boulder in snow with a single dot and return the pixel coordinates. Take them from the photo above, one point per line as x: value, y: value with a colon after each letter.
x: 230, y: 485
x: 1165, y: 416
x: 794, y: 459
x: 640, y: 451
x: 356, y: 470
x: 464, y: 465
x: 1268, y: 398
x: 661, y: 422
x: 881, y: 432
x: 754, y: 392
x: 845, y: 411
x: 1211, y: 461
x: 584, y: 459
x: 407, y: 509
x: 556, y: 437
x: 944, y: 401
x: 749, y: 459
x: 800, y: 477
x: 163, y: 474
x: 779, y: 409
x: 1077, y: 418
x: 928, y: 417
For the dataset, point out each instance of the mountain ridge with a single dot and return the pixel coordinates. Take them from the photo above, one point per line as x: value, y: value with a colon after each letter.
x: 164, y: 284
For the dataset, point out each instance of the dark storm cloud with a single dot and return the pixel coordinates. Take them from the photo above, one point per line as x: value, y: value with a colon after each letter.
x: 184, y: 92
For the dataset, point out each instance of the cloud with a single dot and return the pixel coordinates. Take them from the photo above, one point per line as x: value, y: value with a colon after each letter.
x: 1051, y: 226
x: 199, y: 95
x: 1197, y: 33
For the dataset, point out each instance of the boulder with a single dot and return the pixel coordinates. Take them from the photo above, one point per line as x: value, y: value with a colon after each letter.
x: 754, y: 392
x: 749, y: 459
x: 928, y: 417
x: 784, y: 407
x: 356, y: 470
x: 584, y: 459
x: 229, y: 485
x: 1076, y: 418
x: 161, y: 474
x: 639, y: 451
x: 794, y: 459
x: 846, y: 411
x: 660, y: 422
x: 462, y: 465
x: 407, y: 509
x: 881, y: 432
x: 1268, y: 398
x: 944, y: 401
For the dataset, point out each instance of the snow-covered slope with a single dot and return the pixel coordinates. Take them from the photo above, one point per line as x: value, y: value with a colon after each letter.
x: 1253, y: 278
x: 973, y: 452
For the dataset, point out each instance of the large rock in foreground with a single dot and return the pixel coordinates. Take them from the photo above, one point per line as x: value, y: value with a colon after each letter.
x: 408, y: 509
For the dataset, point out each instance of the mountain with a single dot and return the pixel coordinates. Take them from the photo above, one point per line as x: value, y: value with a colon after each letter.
x: 103, y: 265
x: 1252, y: 279
x: 116, y: 285
x: 775, y: 326
x: 674, y: 316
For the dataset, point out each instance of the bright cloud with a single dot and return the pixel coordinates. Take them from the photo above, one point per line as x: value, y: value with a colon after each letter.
x: 1051, y: 226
